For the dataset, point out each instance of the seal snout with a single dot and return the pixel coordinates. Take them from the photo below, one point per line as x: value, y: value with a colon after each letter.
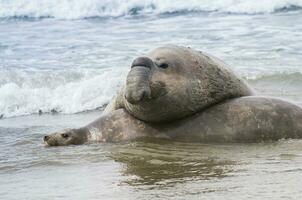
x: 46, y: 138
x: 138, y: 81
x: 142, y: 62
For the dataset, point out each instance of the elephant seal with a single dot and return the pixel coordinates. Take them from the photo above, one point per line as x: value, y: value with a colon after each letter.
x: 245, y: 119
x: 173, y: 82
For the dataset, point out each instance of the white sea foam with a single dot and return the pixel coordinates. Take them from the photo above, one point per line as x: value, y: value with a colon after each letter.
x: 77, y: 9
x: 26, y: 92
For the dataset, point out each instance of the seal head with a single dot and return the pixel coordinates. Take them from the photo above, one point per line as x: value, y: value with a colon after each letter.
x: 173, y: 82
x: 66, y: 137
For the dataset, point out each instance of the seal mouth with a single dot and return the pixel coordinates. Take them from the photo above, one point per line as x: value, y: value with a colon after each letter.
x: 49, y: 144
x: 157, y: 91
x: 50, y: 141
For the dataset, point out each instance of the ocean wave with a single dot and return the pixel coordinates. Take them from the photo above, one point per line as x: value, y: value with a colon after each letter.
x: 27, y: 92
x: 285, y: 85
x: 78, y: 9
x: 290, y: 78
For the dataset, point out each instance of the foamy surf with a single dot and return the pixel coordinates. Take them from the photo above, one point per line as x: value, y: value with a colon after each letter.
x: 27, y: 92
x: 24, y: 93
x: 78, y: 9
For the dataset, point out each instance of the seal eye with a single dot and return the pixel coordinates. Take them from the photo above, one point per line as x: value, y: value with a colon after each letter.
x: 65, y: 135
x: 163, y: 65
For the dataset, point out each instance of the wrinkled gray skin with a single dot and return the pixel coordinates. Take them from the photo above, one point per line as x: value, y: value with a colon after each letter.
x: 174, y: 82
x: 245, y: 119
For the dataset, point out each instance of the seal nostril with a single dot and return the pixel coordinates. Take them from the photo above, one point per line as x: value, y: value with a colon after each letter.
x: 142, y: 62
x: 46, y: 138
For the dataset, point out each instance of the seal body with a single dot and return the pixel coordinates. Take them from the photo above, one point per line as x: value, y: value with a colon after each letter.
x: 245, y: 119
x: 173, y: 82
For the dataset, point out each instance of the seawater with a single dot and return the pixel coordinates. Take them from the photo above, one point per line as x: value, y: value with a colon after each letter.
x: 73, y: 56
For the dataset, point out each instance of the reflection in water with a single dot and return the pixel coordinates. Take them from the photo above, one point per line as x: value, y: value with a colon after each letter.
x: 143, y: 169
x: 160, y: 162
x: 147, y: 169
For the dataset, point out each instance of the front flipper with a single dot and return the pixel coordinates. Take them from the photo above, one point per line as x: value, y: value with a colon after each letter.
x: 115, y: 103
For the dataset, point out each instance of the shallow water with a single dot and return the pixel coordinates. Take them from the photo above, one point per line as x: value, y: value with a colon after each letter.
x: 144, y: 169
x: 72, y: 56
